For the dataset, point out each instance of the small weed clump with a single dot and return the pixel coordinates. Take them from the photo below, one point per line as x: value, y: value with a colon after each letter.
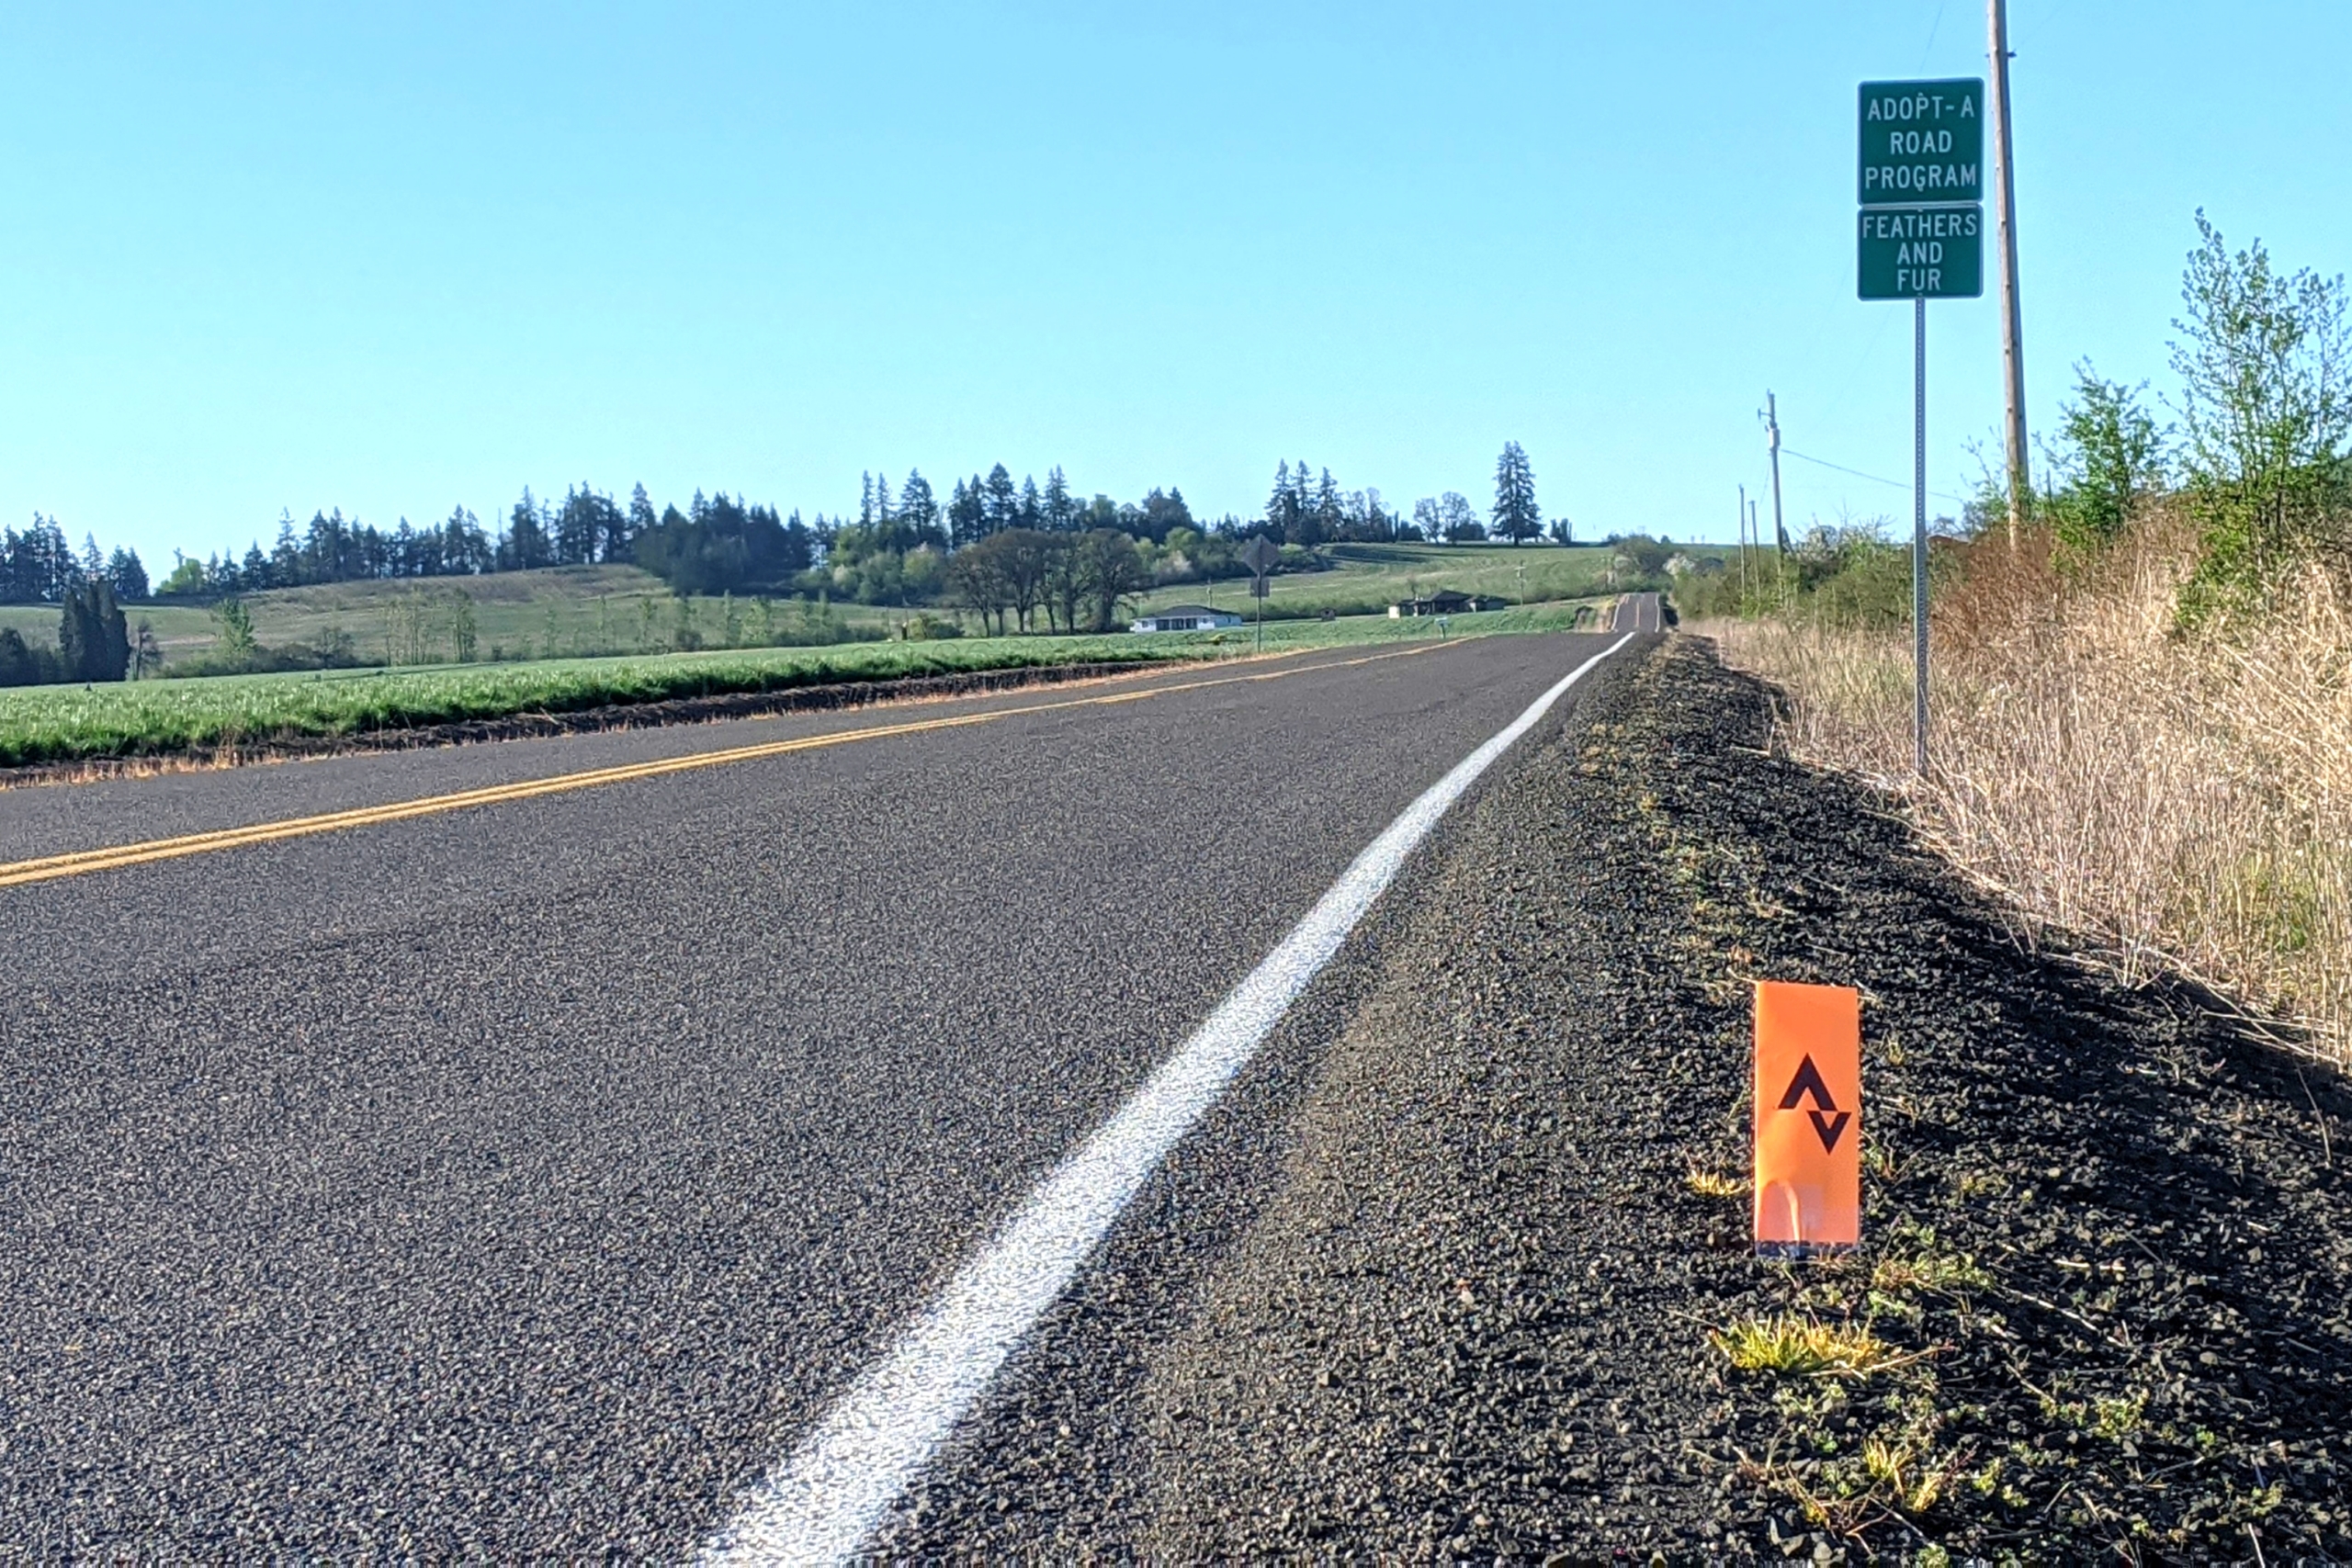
x: 1928, y: 1268
x: 1799, y: 1346
x: 1715, y: 1183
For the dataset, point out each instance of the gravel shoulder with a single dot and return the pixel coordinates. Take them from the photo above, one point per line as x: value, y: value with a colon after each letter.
x: 1468, y: 1298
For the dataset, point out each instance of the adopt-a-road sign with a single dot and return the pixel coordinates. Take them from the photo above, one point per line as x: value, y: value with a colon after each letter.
x: 1920, y: 253
x: 1921, y: 141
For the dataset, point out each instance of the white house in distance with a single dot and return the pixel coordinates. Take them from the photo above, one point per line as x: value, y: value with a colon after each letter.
x: 1185, y: 618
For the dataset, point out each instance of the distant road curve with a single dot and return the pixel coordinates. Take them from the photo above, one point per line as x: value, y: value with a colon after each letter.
x: 1637, y: 613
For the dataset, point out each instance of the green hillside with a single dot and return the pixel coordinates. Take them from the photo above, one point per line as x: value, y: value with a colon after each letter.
x: 1364, y: 580
x: 574, y: 612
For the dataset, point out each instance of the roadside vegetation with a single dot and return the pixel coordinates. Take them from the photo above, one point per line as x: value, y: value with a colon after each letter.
x: 2142, y: 712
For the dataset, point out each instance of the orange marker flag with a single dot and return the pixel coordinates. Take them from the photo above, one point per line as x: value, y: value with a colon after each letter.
x: 1808, y: 1119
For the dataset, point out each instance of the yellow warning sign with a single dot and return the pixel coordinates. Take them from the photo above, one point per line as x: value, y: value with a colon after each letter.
x: 1808, y: 1118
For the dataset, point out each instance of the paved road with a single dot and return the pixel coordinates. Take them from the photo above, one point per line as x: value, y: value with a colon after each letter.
x: 1638, y: 613
x: 523, y: 1179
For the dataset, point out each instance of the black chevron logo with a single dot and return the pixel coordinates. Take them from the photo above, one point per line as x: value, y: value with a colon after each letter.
x: 1828, y: 1122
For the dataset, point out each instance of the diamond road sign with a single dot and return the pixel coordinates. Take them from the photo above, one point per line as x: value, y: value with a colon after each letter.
x: 1922, y: 142
x: 1920, y: 253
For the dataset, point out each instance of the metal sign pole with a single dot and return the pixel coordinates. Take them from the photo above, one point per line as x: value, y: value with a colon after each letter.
x: 1919, y: 533
x: 1921, y: 237
x: 1260, y: 556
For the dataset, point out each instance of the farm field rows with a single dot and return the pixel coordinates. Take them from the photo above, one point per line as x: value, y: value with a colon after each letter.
x: 557, y: 612
x: 575, y: 612
x: 60, y: 724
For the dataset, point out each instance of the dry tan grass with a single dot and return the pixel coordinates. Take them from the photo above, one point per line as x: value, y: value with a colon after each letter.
x: 2181, y: 798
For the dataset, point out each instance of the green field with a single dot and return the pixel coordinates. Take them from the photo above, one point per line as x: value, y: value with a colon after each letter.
x: 571, y: 612
x: 559, y: 612
x: 49, y: 724
x: 1364, y: 580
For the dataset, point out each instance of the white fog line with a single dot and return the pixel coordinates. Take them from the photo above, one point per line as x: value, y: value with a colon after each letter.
x: 819, y: 1504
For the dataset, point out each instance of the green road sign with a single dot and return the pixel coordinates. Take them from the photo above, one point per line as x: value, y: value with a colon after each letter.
x: 1921, y: 252
x: 1922, y: 142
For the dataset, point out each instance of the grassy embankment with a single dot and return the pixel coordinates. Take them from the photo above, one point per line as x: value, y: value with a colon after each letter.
x: 54, y: 724
x: 2142, y: 708
x: 1366, y: 578
x: 2182, y: 796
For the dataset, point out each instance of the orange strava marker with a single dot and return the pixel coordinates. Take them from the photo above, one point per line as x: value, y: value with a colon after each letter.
x: 1808, y: 1119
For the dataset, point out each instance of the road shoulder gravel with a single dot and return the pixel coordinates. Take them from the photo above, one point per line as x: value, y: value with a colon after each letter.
x: 1471, y: 1304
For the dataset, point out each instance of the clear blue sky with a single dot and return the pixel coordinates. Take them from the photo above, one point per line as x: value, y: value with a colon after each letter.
x: 398, y: 257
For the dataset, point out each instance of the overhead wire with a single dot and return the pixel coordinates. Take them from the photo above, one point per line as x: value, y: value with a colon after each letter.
x: 1788, y: 451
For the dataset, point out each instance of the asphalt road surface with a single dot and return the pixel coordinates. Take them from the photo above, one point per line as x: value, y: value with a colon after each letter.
x: 1638, y: 613
x: 526, y: 1177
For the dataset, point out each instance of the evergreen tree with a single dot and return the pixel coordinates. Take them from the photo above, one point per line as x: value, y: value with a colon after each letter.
x: 999, y: 503
x: 919, y: 509
x: 1516, y: 516
x: 1060, y: 509
x: 466, y: 549
x: 21, y: 664
x: 963, y: 520
x: 585, y: 527
x: 1161, y: 514
x: 126, y: 575
x: 640, y: 514
x: 1328, y: 513
x: 92, y: 641
x: 1282, y: 507
x: 1031, y: 511
x: 39, y: 565
x: 525, y: 546
x: 286, y: 557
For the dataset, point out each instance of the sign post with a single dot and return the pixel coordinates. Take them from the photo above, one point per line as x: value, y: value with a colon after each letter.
x: 1260, y: 556
x: 1921, y: 183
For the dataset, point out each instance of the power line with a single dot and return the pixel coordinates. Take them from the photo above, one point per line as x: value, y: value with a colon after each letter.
x: 1896, y: 484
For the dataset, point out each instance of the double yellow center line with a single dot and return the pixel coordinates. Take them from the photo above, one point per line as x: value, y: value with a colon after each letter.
x: 51, y: 868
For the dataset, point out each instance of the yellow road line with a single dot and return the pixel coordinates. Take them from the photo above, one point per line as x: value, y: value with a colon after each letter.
x: 49, y: 868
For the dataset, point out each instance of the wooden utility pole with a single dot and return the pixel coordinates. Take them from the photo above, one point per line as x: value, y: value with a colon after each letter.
x: 1742, y: 525
x: 1759, y: 537
x: 1996, y: 21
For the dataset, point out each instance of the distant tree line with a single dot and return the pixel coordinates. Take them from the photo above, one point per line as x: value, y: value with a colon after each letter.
x: 94, y: 642
x: 1018, y: 555
x: 37, y: 567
